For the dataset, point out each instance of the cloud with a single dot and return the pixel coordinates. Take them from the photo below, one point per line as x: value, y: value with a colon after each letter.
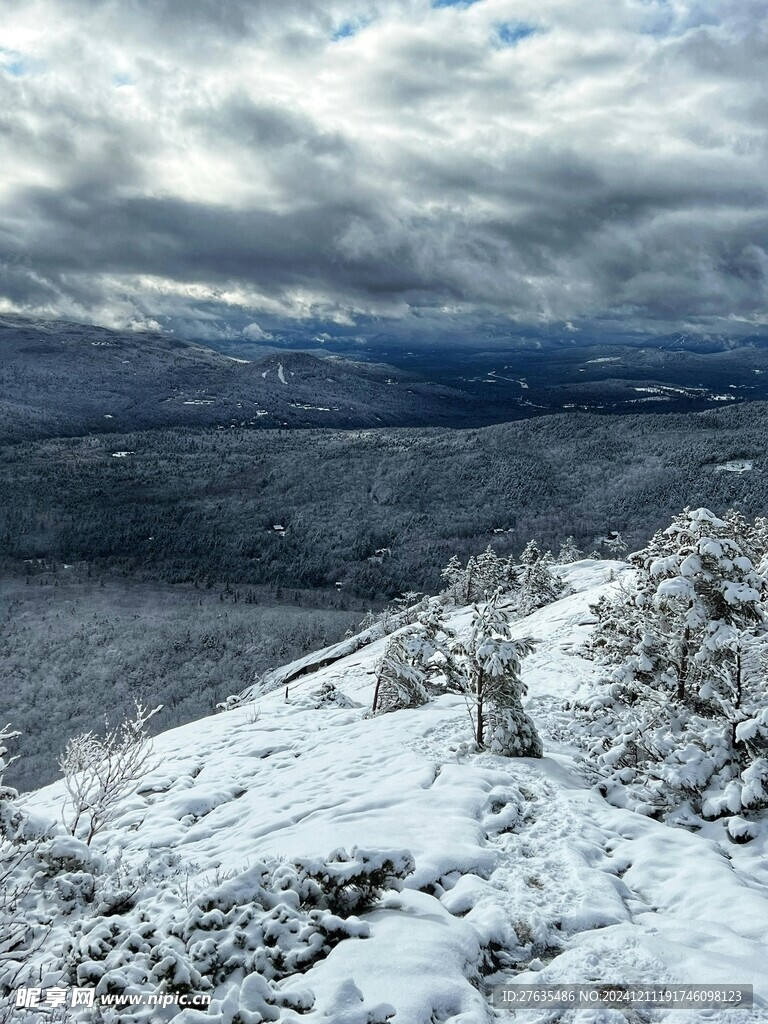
x: 211, y: 166
x: 252, y: 332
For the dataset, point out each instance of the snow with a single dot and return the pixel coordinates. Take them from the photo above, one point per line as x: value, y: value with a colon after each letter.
x: 281, y: 374
x: 735, y: 466
x: 122, y: 455
x: 521, y: 853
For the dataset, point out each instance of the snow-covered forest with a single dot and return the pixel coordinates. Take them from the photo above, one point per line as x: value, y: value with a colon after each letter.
x: 553, y: 771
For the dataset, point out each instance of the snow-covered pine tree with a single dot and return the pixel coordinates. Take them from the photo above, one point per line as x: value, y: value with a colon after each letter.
x: 367, y: 621
x: 539, y: 586
x: 16, y: 854
x: 531, y: 553
x: 489, y: 575
x: 454, y: 577
x: 400, y: 675
x: 568, y: 552
x: 483, y: 576
x: 28, y: 862
x: 409, y: 660
x: 681, y: 716
x: 434, y: 630
x: 470, y: 580
x: 618, y: 626
x: 5, y: 759
x: 408, y: 606
x: 489, y: 663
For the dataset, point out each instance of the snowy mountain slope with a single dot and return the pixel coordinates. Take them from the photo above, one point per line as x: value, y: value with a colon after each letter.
x: 522, y: 870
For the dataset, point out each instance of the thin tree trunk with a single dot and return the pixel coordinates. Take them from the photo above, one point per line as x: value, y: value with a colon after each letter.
x: 682, y: 675
x: 470, y: 582
x: 737, y: 695
x: 480, y: 726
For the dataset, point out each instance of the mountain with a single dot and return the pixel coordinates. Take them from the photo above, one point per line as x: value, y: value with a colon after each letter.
x: 68, y: 379
x: 61, y: 379
x: 495, y: 870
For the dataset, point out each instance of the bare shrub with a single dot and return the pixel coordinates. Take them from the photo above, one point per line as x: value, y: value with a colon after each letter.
x: 101, y: 771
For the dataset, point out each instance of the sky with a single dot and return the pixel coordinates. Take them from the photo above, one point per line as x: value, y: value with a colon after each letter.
x: 228, y: 169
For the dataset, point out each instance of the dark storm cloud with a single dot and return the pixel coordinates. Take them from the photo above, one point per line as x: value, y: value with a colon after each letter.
x: 250, y: 158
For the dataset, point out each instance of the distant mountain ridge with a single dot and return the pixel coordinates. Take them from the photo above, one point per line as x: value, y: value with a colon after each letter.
x: 62, y: 380
x: 68, y: 379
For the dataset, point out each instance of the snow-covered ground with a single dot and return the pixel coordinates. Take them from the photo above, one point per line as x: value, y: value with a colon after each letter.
x: 518, y: 859
x: 735, y: 466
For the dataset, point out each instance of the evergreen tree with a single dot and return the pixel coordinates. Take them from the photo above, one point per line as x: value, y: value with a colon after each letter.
x: 490, y: 665
x: 410, y: 659
x: 400, y: 676
x: 470, y: 580
x: 489, y: 575
x: 531, y: 553
x: 681, y: 716
x: 568, y: 552
x: 538, y: 587
x: 618, y: 627
x: 454, y: 576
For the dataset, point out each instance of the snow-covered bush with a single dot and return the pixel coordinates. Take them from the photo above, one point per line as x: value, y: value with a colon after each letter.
x: 271, y: 922
x: 68, y: 916
x: 489, y: 665
x: 410, y: 659
x: 45, y: 877
x: 681, y: 714
x: 101, y: 771
x: 350, y: 883
x: 327, y: 696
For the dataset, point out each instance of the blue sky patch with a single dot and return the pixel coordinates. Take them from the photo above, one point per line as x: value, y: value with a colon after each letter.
x: 510, y: 33
x: 13, y: 63
x: 349, y: 28
x: 454, y: 3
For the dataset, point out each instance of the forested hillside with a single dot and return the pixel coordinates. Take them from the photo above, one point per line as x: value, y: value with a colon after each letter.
x: 376, y: 512
x: 75, y: 649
